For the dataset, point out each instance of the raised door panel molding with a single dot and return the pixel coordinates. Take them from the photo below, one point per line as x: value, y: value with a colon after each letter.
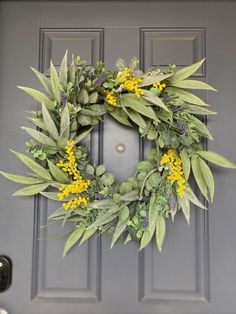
x: 77, y: 276
x: 180, y: 46
x: 181, y: 271
x: 86, y: 42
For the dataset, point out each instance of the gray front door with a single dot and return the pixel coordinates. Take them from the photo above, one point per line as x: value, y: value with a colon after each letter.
x: 196, y: 272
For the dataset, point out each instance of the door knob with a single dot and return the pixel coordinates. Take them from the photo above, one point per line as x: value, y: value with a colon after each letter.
x: 5, y: 274
x: 120, y: 148
x: 2, y: 311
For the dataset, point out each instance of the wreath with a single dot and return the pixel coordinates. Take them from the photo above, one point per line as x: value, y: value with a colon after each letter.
x: 155, y: 102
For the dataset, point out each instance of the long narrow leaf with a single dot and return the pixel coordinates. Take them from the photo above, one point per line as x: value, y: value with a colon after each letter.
x: 51, y: 127
x: 33, y: 165
x: 38, y: 96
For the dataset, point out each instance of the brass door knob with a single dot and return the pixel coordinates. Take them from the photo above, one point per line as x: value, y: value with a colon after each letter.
x: 119, y: 148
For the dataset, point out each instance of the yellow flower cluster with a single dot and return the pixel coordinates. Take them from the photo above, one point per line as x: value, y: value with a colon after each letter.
x: 172, y: 160
x: 159, y: 85
x: 111, y: 98
x: 129, y: 82
x: 79, y: 185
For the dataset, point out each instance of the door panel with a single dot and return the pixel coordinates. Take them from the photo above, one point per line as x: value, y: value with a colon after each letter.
x: 196, y: 271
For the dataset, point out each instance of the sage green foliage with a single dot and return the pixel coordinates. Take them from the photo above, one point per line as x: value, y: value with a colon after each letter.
x: 73, y: 103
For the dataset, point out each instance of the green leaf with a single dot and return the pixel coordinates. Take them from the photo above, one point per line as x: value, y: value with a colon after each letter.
x: 198, y: 110
x: 193, y: 84
x: 89, y: 169
x: 201, y: 127
x: 124, y: 214
x: 56, y: 89
x: 130, y: 196
x: 149, y: 232
x: 199, y: 176
x: 187, y: 96
x: 120, y: 64
x: 93, y: 98
x: 87, y: 234
x: 39, y: 123
x: 186, y: 71
x: 43, y: 80
x: 128, y: 239
x: 185, y: 206
x: 120, y: 228
x: 151, y: 79
x: 154, y: 100
x: 39, y: 170
x: 108, y: 179
x: 72, y: 70
x: 82, y: 135
x: 144, y: 166
x: 206, y: 172
x: 216, y: 159
x: 31, y: 190
x: 193, y: 198
x: 63, y: 72
x: 83, y: 97
x: 136, y: 118
x: 138, y: 104
x: 119, y: 115
x: 65, y: 122
x: 160, y: 231
x: 38, y: 96
x: 21, y: 179
x: 106, y: 203
x: 100, y: 170
x: 73, y: 238
x: 51, y: 127
x: 40, y: 137
x: 186, y: 163
x: 57, y: 173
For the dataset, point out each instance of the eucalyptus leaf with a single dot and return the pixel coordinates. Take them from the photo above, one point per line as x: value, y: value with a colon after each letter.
x: 151, y: 79
x: 43, y: 80
x: 56, y: 88
x: 39, y: 170
x: 38, y: 96
x: 87, y: 234
x: 186, y: 96
x: 65, y: 122
x: 137, y: 118
x: 21, y: 179
x: 39, y: 123
x: 185, y: 206
x: 193, y: 198
x: 57, y: 173
x: 149, y: 232
x: 51, y: 127
x: 31, y: 189
x: 160, y: 231
x: 199, y: 177
x: 120, y: 228
x: 216, y: 159
x: 185, y: 163
x: 206, y: 172
x: 186, y: 71
x: 73, y: 238
x: 40, y: 137
x: 193, y: 84
x: 148, y: 96
x: 63, y: 72
x: 138, y: 104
